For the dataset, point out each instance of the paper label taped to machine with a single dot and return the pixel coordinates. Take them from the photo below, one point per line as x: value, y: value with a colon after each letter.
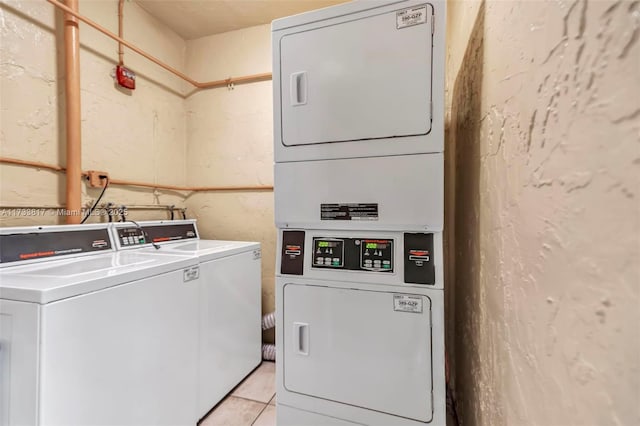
x: 349, y: 211
x: 190, y: 274
x: 410, y: 17
x: 404, y: 303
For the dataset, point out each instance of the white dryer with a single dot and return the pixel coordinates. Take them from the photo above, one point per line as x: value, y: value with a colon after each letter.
x: 229, y: 295
x: 359, y: 328
x: 93, y: 336
x: 358, y: 93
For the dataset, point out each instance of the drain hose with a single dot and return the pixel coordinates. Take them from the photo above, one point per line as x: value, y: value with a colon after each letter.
x: 268, y: 321
x: 268, y: 352
x: 268, y: 349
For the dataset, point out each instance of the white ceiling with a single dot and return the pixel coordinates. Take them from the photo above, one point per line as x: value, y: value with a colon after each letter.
x: 198, y: 18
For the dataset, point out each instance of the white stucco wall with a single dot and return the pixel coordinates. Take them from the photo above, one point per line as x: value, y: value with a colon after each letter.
x: 544, y: 129
x: 230, y: 143
x: 138, y: 136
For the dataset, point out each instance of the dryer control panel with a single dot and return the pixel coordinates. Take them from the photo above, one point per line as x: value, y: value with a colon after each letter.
x: 411, y: 255
x: 355, y: 254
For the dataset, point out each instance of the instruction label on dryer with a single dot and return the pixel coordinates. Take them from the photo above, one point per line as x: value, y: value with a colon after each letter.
x: 190, y: 274
x: 410, y: 17
x: 405, y: 303
x: 349, y: 211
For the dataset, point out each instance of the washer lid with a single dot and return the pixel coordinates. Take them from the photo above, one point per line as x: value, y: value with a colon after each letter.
x: 55, y: 280
x: 210, y: 249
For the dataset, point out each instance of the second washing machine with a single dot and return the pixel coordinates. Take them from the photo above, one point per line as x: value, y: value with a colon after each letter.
x: 229, y: 300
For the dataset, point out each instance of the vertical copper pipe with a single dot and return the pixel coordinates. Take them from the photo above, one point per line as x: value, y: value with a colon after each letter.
x: 72, y: 81
x: 120, y: 31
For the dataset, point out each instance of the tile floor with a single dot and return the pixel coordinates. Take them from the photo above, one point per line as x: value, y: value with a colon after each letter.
x: 252, y: 403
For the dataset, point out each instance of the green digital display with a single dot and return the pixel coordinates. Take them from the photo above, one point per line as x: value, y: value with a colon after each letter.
x: 372, y: 245
x: 323, y: 243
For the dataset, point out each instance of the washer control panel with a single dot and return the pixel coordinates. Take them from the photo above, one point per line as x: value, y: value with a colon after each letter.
x: 39, y: 244
x: 355, y: 254
x: 131, y: 236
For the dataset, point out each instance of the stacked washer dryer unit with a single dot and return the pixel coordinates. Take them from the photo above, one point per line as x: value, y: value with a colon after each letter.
x: 229, y: 299
x: 93, y: 336
x: 359, y: 142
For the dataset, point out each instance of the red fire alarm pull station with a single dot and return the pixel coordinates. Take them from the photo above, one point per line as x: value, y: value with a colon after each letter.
x: 126, y: 77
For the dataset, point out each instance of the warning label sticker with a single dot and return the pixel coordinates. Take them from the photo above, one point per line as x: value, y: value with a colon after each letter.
x: 410, y: 17
x: 349, y: 211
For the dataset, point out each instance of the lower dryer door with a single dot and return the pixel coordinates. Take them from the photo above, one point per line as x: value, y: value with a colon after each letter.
x: 369, y: 349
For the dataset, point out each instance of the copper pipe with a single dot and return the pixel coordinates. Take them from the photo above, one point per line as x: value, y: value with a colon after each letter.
x: 72, y: 92
x: 120, y: 31
x: 190, y: 188
x: 142, y: 184
x: 231, y: 188
x: 32, y: 164
x: 206, y: 85
x: 234, y: 80
x: 101, y: 206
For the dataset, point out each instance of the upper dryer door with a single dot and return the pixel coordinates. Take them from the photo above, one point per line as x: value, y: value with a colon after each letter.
x: 363, y: 77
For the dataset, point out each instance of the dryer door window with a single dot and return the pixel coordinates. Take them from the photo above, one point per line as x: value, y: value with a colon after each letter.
x: 370, y: 349
x: 359, y: 78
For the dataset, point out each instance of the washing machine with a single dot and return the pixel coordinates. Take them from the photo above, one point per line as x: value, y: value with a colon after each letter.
x: 229, y: 300
x: 89, y: 335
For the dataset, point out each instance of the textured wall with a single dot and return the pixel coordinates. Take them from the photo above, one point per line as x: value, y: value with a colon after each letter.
x: 137, y: 136
x: 230, y: 142
x: 544, y: 127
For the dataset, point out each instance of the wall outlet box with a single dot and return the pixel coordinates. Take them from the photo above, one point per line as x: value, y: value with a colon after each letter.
x: 97, y: 179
